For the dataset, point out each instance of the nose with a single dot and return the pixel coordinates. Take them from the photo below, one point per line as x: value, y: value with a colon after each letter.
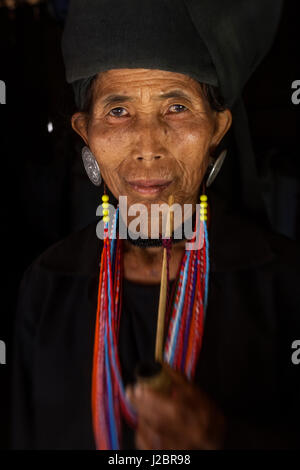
x: 148, y: 157
x: 148, y: 141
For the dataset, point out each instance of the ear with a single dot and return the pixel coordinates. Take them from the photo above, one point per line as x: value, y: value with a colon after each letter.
x: 223, y: 123
x: 79, y: 123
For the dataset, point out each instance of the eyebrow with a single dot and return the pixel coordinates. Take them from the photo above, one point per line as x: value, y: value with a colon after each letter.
x: 111, y: 99
x: 115, y: 98
x: 174, y: 94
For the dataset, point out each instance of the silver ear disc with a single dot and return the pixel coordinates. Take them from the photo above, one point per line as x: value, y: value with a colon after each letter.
x: 91, y: 166
x: 216, y: 167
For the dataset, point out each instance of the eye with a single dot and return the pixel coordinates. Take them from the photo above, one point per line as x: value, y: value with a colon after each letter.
x: 177, y: 108
x: 118, y: 112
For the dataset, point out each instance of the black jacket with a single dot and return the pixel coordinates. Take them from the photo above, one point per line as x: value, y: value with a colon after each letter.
x: 245, y: 364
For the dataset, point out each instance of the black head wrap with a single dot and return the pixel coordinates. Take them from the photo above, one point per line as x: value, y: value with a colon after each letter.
x: 218, y: 42
x: 155, y: 34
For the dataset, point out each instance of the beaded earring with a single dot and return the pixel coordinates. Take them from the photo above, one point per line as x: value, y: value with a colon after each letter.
x: 203, y: 207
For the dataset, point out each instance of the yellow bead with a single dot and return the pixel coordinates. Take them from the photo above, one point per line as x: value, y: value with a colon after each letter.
x: 105, y: 212
x: 105, y: 198
x: 106, y: 218
x: 203, y: 204
x: 105, y: 205
x: 203, y: 198
x: 203, y: 217
x: 203, y: 211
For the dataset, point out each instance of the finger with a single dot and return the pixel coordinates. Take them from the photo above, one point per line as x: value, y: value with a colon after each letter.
x: 185, y: 431
x: 163, y: 413
x: 176, y: 375
x: 147, y: 438
x: 182, y: 388
x: 168, y: 416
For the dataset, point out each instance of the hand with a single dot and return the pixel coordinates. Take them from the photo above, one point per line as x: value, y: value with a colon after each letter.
x: 184, y: 419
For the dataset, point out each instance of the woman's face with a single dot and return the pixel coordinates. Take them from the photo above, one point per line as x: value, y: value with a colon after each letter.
x: 151, y: 132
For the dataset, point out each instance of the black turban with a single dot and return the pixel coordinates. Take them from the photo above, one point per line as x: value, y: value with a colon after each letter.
x: 152, y: 34
x: 218, y: 42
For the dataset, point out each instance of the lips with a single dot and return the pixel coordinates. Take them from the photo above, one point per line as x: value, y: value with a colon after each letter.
x: 152, y: 186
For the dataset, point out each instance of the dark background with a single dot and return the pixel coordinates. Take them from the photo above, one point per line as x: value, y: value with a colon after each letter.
x: 44, y: 192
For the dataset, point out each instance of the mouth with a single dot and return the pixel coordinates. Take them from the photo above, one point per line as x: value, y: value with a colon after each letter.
x: 154, y: 186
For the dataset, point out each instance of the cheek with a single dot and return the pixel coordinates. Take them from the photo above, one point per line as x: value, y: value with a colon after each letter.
x: 193, y: 147
x: 108, y: 146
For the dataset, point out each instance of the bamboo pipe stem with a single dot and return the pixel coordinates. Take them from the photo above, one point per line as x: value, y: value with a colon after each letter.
x: 163, y: 289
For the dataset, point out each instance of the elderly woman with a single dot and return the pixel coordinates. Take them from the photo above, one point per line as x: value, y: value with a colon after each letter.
x: 157, y: 84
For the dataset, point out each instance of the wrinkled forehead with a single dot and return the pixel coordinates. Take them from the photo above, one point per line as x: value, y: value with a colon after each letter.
x: 143, y: 83
x: 137, y: 83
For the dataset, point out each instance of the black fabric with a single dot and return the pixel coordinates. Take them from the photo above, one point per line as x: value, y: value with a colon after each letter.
x: 245, y: 362
x: 238, y: 34
x: 238, y: 180
x: 106, y: 34
x: 173, y: 35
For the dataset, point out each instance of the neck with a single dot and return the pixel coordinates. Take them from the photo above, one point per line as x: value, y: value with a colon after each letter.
x: 142, y: 260
x: 143, y: 265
